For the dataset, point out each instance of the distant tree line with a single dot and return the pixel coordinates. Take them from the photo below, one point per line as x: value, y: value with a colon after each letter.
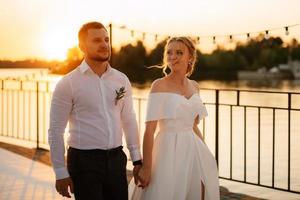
x: 28, y: 63
x: 221, y: 64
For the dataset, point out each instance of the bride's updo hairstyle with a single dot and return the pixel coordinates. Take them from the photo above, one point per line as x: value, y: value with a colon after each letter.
x: 192, y: 51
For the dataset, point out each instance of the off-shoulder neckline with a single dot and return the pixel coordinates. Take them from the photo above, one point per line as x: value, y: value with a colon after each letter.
x: 177, y: 94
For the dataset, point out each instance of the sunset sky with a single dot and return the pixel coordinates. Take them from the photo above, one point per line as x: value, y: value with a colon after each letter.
x: 46, y: 29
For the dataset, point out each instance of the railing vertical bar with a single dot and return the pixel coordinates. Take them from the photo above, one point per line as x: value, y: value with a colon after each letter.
x: 140, y: 114
x: 273, y: 147
x: 37, y: 116
x: 44, y: 118
x: 2, y: 107
x: 18, y: 113
x: 217, y: 127
x: 7, y: 110
x: 29, y: 115
x: 289, y: 139
x: 24, y: 112
x: 258, y: 146
x: 231, y: 142
x: 245, y: 143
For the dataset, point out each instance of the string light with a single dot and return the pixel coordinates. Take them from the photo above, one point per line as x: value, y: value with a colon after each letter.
x: 248, y: 36
x: 286, y: 30
x: 144, y: 36
x: 198, y: 40
x: 267, y: 33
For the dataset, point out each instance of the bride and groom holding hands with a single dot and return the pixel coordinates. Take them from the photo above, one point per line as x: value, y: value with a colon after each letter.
x: 96, y: 100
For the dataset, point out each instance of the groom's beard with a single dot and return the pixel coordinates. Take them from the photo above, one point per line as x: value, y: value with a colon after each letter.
x: 100, y: 58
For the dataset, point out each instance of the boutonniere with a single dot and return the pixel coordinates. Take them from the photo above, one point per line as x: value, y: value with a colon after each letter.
x: 120, y: 94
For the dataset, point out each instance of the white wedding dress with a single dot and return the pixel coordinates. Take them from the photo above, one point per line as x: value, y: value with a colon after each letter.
x: 181, y: 161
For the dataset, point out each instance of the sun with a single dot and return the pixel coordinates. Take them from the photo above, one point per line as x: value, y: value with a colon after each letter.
x: 55, y: 45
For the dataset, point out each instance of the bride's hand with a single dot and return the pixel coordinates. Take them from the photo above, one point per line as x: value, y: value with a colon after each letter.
x: 144, y: 176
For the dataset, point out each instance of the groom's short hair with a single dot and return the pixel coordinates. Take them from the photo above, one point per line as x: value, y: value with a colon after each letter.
x: 86, y: 27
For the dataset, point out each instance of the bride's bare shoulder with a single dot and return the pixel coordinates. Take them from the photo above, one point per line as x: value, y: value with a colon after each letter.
x: 195, y: 85
x: 159, y: 85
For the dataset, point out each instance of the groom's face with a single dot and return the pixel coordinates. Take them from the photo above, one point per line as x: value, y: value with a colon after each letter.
x: 96, y: 45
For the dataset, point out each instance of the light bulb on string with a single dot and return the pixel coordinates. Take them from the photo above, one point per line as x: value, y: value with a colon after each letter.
x: 267, y: 34
x: 230, y: 38
x: 198, y: 40
x: 214, y: 39
x: 132, y: 33
x: 144, y: 36
x: 155, y: 37
x: 248, y: 37
x: 286, y: 30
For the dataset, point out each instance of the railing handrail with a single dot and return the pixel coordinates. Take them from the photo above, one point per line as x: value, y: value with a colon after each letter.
x: 250, y: 90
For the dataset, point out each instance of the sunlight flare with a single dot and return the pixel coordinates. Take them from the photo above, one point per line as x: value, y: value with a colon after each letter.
x: 56, y: 43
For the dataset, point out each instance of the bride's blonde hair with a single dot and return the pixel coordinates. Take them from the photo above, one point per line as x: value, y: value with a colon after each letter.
x: 192, y: 51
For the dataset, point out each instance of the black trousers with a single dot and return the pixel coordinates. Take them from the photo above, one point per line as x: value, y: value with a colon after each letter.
x: 98, y: 174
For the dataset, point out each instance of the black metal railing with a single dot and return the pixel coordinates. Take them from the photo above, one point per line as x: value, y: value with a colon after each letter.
x: 25, y: 107
x: 288, y: 108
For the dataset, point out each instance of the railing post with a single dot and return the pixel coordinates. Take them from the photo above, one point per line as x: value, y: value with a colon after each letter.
x: 217, y: 128
x: 139, y: 102
x: 37, y: 116
x: 2, y: 107
x: 289, y: 139
x: 110, y: 41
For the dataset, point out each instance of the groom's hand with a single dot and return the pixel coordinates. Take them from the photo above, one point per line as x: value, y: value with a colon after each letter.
x: 62, y: 185
x: 136, y: 170
x: 144, y: 176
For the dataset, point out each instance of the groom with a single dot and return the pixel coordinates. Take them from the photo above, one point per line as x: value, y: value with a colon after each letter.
x: 97, y: 102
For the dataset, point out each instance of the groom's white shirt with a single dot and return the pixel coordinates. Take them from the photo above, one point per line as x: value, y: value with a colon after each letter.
x: 87, y: 101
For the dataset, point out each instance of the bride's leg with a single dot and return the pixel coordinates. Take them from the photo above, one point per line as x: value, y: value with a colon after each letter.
x: 202, y: 191
x: 196, y: 190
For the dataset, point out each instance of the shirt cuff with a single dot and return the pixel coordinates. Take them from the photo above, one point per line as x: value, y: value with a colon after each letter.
x: 135, y: 155
x: 138, y: 162
x: 61, y: 173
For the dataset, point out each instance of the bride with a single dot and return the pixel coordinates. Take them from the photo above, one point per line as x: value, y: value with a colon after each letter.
x: 177, y: 164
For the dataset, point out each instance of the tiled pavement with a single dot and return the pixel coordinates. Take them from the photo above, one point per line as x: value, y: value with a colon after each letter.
x: 23, y: 177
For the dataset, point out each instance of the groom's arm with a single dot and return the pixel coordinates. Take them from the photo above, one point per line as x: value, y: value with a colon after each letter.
x: 61, y: 106
x: 130, y: 126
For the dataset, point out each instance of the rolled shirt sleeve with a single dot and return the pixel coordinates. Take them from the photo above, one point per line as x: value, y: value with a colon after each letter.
x: 61, y: 106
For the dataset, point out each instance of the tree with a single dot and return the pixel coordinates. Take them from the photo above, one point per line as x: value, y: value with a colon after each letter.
x: 131, y: 60
x: 294, y: 49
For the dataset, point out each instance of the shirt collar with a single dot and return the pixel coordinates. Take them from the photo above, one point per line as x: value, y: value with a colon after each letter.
x: 84, y: 67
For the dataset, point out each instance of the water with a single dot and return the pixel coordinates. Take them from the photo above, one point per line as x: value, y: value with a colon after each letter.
x: 19, y: 118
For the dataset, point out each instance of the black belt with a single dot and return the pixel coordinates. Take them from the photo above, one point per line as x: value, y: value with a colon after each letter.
x: 98, y: 151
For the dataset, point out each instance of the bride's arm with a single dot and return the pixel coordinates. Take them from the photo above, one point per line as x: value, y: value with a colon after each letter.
x: 145, y: 172
x: 196, y: 129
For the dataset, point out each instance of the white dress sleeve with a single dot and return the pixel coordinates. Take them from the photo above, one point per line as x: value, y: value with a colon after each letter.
x: 201, y: 109
x: 160, y: 106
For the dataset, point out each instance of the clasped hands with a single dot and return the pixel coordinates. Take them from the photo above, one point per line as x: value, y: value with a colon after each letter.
x: 141, y: 175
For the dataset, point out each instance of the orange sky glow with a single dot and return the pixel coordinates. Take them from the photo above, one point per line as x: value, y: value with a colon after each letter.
x: 47, y: 29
